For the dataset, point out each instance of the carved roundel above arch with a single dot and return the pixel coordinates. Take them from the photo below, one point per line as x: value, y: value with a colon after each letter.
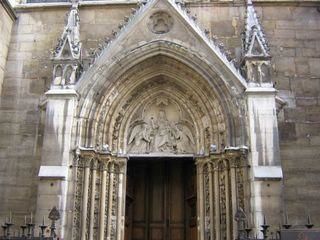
x: 160, y: 22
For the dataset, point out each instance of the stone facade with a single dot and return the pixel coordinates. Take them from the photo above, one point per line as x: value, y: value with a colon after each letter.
x: 36, y: 129
x: 7, y: 17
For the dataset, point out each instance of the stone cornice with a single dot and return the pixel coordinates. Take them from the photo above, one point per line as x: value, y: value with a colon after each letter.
x: 61, y: 93
x: 260, y: 90
x: 30, y: 6
x: 7, y: 6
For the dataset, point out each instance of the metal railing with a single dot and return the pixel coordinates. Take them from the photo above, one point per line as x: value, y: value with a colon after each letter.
x: 27, y: 230
x: 286, y: 231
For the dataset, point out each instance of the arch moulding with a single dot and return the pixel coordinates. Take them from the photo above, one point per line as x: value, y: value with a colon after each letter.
x: 171, y: 75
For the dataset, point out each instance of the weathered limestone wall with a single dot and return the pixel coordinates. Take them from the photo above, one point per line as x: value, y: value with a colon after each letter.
x: 27, y: 71
x: 294, y: 36
x: 6, y: 22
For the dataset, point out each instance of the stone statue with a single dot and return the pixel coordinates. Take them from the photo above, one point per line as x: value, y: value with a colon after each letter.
x: 184, y: 139
x: 139, y: 140
x: 163, y: 137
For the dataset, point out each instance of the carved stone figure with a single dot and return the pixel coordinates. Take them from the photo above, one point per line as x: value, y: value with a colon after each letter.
x: 57, y: 75
x: 163, y: 139
x: 68, y: 75
x: 139, y: 140
x: 184, y: 139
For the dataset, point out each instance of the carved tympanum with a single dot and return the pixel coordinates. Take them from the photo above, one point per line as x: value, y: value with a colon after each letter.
x: 154, y: 132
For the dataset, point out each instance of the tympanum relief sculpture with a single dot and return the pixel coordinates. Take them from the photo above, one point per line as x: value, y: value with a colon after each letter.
x: 161, y: 129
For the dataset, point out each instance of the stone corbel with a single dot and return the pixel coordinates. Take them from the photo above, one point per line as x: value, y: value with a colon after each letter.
x: 280, y: 104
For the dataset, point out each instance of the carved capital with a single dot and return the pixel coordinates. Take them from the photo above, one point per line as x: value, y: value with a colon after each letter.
x: 202, y: 161
x: 95, y: 164
x: 87, y: 163
x: 103, y: 166
x: 215, y: 166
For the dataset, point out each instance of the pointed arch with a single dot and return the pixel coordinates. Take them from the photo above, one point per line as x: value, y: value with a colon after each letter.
x: 111, y: 96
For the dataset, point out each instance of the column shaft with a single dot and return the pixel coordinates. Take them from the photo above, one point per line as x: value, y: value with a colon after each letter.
x: 217, y: 203
x: 85, y: 202
x: 211, y: 191
x: 110, y: 194
x: 233, y: 198
x: 228, y: 210
x: 93, y: 191
x: 102, y: 204
x: 201, y: 213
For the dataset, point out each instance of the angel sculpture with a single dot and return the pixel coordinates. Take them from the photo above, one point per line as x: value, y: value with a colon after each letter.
x: 184, y: 138
x: 139, y: 138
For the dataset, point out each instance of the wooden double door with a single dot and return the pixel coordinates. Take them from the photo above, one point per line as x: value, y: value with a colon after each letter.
x: 161, y: 200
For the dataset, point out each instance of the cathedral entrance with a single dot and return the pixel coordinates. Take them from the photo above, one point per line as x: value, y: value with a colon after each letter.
x: 161, y: 199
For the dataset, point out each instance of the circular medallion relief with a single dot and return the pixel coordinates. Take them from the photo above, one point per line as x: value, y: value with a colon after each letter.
x: 160, y: 22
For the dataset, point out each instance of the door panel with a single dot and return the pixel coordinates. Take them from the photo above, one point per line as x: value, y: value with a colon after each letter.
x: 157, y: 201
x: 176, y: 204
x: 159, y: 208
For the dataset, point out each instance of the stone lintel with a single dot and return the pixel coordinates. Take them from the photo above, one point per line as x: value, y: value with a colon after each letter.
x: 267, y: 173
x: 92, y: 151
x: 62, y: 93
x: 53, y: 172
x: 157, y: 155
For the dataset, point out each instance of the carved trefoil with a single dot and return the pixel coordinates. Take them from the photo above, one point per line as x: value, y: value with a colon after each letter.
x: 160, y: 22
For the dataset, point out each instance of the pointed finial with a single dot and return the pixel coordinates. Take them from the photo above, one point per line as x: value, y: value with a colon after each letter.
x: 74, y: 2
x: 309, y: 223
x: 253, y: 32
x: 286, y: 218
x: 286, y: 224
x: 54, y: 214
x: 70, y: 38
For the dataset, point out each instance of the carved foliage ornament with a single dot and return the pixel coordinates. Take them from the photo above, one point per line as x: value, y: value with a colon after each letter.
x: 160, y: 22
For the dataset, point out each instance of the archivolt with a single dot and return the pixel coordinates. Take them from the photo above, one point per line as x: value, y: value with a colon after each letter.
x: 109, y: 102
